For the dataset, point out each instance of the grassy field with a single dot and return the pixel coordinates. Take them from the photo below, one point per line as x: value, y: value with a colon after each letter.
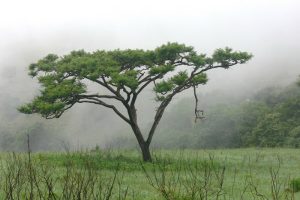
x: 186, y: 174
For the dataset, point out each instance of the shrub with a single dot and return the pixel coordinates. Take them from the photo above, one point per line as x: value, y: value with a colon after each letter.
x: 295, y: 184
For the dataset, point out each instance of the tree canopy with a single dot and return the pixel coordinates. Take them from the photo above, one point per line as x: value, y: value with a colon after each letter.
x: 170, y: 69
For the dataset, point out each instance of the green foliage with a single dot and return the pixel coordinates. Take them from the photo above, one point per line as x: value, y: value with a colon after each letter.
x: 126, y: 79
x: 294, y: 137
x: 227, y: 56
x: 44, y: 108
x: 290, y: 110
x: 54, y: 96
x: 46, y: 64
x: 295, y: 132
x: 200, y: 79
x: 180, y: 78
x: 170, y: 52
x: 295, y: 184
x: 163, y: 87
x: 161, y: 69
x: 249, y: 115
x: 63, y: 79
x: 269, y: 132
x: 198, y: 60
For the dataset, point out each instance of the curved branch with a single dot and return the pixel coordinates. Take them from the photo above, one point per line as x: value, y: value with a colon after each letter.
x: 107, y: 86
x: 58, y: 114
x: 99, y: 96
x: 148, y: 81
x: 209, y: 67
x: 102, y: 103
x: 157, y: 118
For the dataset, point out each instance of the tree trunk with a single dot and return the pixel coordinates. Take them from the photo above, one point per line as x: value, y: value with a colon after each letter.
x: 146, y: 152
x: 144, y: 145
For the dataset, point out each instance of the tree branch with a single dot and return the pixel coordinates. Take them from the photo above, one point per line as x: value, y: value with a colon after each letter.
x: 148, y: 81
x: 99, y: 102
x: 158, y: 117
x: 209, y: 67
x: 107, y: 86
x: 58, y: 114
x: 100, y: 96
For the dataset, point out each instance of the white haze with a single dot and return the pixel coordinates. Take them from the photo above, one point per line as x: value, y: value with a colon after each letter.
x: 29, y: 30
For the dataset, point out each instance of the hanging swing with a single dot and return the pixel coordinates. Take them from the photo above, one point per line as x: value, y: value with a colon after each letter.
x: 199, y: 114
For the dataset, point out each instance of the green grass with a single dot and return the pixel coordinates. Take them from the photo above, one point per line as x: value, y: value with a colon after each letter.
x: 242, y: 173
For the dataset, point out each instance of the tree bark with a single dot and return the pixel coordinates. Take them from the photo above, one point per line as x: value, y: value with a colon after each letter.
x: 146, y: 152
x: 144, y: 146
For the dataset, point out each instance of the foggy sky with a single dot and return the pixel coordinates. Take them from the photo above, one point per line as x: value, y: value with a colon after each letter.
x: 269, y: 29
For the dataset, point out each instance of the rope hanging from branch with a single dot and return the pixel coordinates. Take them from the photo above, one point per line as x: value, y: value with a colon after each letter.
x: 199, y: 114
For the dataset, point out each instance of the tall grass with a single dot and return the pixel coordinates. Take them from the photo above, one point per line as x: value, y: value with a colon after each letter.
x: 205, y: 179
x: 172, y: 176
x: 23, y: 178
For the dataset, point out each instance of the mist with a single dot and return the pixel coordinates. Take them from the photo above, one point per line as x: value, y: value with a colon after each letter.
x: 30, y: 30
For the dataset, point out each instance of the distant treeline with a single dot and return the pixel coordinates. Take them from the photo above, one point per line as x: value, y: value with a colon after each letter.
x: 14, y: 128
x: 271, y: 118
